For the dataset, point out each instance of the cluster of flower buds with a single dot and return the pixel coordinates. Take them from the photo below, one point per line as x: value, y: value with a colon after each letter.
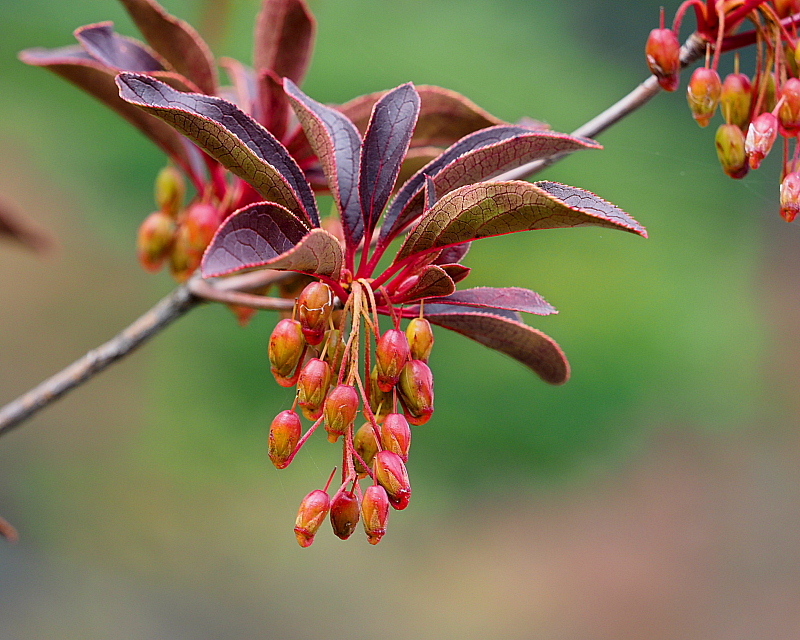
x: 317, y: 351
x: 755, y: 110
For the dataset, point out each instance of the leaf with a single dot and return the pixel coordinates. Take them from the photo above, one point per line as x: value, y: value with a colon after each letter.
x: 266, y: 234
x: 503, y: 331
x: 431, y: 282
x: 105, y: 45
x: 337, y: 144
x: 14, y: 227
x: 453, y: 255
x: 508, y: 298
x: 230, y: 136
x: 273, y: 105
x: 416, y: 158
x: 385, y: 145
x: 244, y: 84
x: 445, y: 116
x: 492, y: 209
x: 176, y: 41
x: 457, y: 272
x: 285, y: 32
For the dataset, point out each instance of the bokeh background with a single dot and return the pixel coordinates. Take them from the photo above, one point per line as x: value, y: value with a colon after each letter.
x: 656, y: 495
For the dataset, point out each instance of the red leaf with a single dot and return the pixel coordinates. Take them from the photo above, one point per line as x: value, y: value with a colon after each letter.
x: 433, y: 282
x: 285, y: 31
x: 508, y: 298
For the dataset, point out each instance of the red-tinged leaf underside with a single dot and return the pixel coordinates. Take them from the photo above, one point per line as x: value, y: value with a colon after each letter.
x: 273, y: 105
x: 337, y: 144
x: 285, y: 31
x: 119, y: 52
x: 433, y: 283
x: 493, y: 209
x: 245, y: 85
x: 508, y: 298
x: 78, y: 67
x: 457, y: 272
x: 14, y: 227
x: 268, y: 235
x: 230, y: 136
x: 445, y: 116
x: 505, y: 332
x: 176, y: 41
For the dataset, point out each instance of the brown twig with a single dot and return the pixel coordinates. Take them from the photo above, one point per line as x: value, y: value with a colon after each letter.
x: 203, y: 289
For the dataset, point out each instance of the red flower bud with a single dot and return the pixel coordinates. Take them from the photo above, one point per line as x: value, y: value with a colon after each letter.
x: 375, y: 512
x: 416, y: 392
x: 344, y: 514
x: 761, y: 135
x: 286, y: 346
x: 735, y: 99
x: 182, y: 260
x: 703, y: 94
x: 381, y: 402
x: 341, y: 407
x: 391, y: 474
x: 396, y: 435
x: 312, y: 387
x: 663, y: 52
x: 196, y: 229
x: 730, y: 150
x: 154, y: 242
x: 789, y: 113
x: 284, y: 434
x: 790, y: 196
x: 170, y: 190
x: 420, y: 339
x: 314, y: 308
x: 391, y: 354
x: 313, y: 509
x: 366, y: 446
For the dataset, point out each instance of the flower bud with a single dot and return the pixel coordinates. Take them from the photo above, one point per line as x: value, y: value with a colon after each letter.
x: 735, y: 99
x: 770, y: 98
x: 341, y: 407
x: 391, y: 354
x: 663, y: 52
x: 375, y: 512
x: 312, y: 512
x: 334, y: 349
x: 286, y: 346
x: 789, y: 113
x: 314, y: 307
x: 312, y: 386
x: 381, y: 402
x: 154, y: 242
x: 194, y: 234
x: 790, y: 196
x: 761, y: 135
x: 344, y: 514
x: 391, y: 474
x: 730, y: 150
x: 170, y: 190
x: 420, y: 339
x: 703, y: 94
x: 284, y: 434
x: 416, y: 392
x: 366, y: 446
x: 182, y: 260
x: 396, y: 435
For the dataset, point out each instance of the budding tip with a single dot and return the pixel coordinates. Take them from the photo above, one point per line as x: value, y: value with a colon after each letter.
x: 304, y: 537
x: 400, y: 499
x: 376, y: 536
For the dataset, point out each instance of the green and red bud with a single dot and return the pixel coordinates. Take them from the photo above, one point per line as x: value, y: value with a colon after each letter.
x: 170, y: 190
x: 312, y: 387
x: 284, y: 434
x: 366, y: 445
x: 375, y: 512
x: 790, y: 196
x: 416, y: 392
x: 761, y: 135
x: 703, y: 94
x: 286, y: 346
x: 310, y: 516
x: 381, y: 402
x: 391, y: 353
x: 344, y: 514
x: 789, y: 111
x: 420, y: 339
x: 663, y: 52
x: 730, y: 150
x: 396, y: 435
x: 314, y: 308
x: 154, y: 242
x: 195, y: 231
x: 334, y: 349
x: 391, y: 474
x: 341, y: 408
x: 735, y: 99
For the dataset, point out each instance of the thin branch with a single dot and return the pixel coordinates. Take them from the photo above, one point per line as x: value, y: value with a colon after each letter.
x: 203, y: 289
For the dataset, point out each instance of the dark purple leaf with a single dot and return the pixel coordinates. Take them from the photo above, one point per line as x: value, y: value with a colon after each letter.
x: 336, y: 143
x: 229, y: 135
x: 416, y: 158
x: 453, y: 255
x: 245, y: 86
x: 176, y: 41
x: 385, y: 145
x: 430, y: 192
x: 504, y: 331
x: 285, y: 32
x: 508, y: 298
x: 116, y: 51
x: 266, y: 234
x: 492, y: 209
x: 431, y: 282
x: 273, y: 103
x: 457, y: 272
x: 14, y: 227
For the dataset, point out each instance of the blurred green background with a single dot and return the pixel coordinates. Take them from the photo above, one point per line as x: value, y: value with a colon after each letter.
x: 656, y: 495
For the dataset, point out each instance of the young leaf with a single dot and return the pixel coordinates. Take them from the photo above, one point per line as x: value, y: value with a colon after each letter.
x: 245, y: 86
x: 176, y: 41
x: 266, y: 234
x: 337, y: 144
x: 454, y: 254
x: 230, y: 136
x: 285, y: 31
x: 503, y: 331
x: 273, y: 105
x: 492, y: 209
x: 433, y: 282
x: 457, y: 272
x: 113, y: 50
x: 385, y: 145
x: 508, y: 298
